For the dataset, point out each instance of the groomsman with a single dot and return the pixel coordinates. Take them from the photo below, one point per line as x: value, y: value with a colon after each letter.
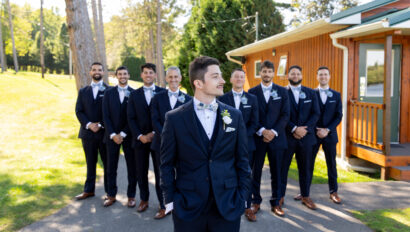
x: 117, y: 134
x: 161, y: 104
x: 139, y: 121
x: 304, y: 114
x: 248, y: 105
x: 205, y: 174
x: 330, y: 116
x: 271, y: 137
x: 89, y: 112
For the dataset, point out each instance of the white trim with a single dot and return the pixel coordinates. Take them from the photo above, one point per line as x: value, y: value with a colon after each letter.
x: 352, y: 19
x: 255, y: 68
x: 405, y: 24
x: 362, y: 30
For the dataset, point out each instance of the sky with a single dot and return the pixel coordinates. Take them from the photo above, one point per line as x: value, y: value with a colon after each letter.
x: 116, y: 6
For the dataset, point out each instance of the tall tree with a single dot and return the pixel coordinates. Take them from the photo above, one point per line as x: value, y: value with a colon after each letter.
x: 41, y: 39
x: 309, y: 11
x: 2, y: 56
x: 81, y: 40
x: 97, y: 34
x: 16, y: 65
x: 160, y: 66
x: 102, y: 48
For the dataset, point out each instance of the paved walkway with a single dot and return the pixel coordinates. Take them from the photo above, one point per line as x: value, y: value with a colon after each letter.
x: 90, y: 215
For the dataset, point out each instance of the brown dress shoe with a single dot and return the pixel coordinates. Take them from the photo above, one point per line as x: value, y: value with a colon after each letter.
x: 335, y: 198
x: 278, y: 210
x: 281, y: 202
x: 160, y: 214
x: 84, y: 195
x: 297, y: 197
x: 255, y: 208
x: 309, y: 203
x: 250, y: 215
x: 131, y: 203
x: 109, y: 201
x: 142, y: 206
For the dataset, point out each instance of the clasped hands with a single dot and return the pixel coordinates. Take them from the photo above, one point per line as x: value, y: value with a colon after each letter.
x: 300, y: 132
x: 94, y: 127
x: 268, y: 136
x: 146, y: 138
x: 322, y: 132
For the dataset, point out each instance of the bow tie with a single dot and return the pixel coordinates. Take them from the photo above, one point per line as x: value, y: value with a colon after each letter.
x: 212, y: 107
x: 170, y: 94
x: 96, y: 84
x: 149, y: 88
x: 122, y: 89
x: 266, y: 89
x: 235, y: 94
x: 324, y: 90
x: 299, y: 88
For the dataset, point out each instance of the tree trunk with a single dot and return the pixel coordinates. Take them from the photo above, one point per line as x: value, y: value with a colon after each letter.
x: 81, y: 40
x: 2, y: 57
x: 41, y: 40
x: 160, y: 67
x: 97, y: 35
x: 16, y: 65
x: 102, y: 49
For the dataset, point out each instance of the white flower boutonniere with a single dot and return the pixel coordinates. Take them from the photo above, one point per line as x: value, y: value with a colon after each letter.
x: 302, y: 95
x: 101, y: 88
x: 127, y: 93
x: 181, y: 98
x: 274, y: 94
x: 329, y: 93
x: 244, y: 100
x: 226, y: 117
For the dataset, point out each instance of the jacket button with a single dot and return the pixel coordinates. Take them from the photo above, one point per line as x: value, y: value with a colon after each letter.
x: 210, y: 161
x: 207, y: 179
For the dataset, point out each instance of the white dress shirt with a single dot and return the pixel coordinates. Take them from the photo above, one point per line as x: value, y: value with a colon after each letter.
x: 173, y: 99
x: 266, y: 94
x: 237, y: 99
x: 122, y: 93
x: 149, y: 94
x: 206, y: 117
x: 96, y: 88
x: 323, y: 94
x: 295, y: 92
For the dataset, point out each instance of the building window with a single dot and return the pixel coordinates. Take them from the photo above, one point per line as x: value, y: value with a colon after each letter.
x: 282, y: 66
x: 257, y: 68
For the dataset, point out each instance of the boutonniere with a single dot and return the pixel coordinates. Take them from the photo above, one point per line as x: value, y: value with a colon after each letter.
x: 127, y: 93
x: 329, y: 93
x: 244, y: 100
x: 274, y: 94
x: 302, y: 95
x: 181, y: 98
x: 226, y: 117
x: 101, y: 88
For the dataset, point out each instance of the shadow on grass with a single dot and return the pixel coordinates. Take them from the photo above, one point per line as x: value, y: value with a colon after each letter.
x: 23, y: 204
x: 379, y: 222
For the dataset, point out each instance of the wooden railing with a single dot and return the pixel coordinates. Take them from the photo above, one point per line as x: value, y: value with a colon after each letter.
x: 363, y: 123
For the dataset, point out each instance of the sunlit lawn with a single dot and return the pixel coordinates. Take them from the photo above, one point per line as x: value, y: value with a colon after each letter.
x: 389, y: 220
x: 42, y: 163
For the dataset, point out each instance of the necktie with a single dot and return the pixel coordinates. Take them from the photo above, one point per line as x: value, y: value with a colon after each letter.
x: 170, y: 94
x: 265, y: 89
x: 235, y: 94
x: 212, y: 107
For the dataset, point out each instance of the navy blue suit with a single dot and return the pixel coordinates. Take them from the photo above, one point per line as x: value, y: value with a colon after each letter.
x: 139, y: 121
x: 88, y: 110
x: 207, y: 180
x: 272, y: 115
x: 306, y: 113
x: 115, y: 121
x: 330, y: 116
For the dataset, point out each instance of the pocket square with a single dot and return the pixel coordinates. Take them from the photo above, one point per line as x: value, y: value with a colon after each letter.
x: 277, y: 98
x: 247, y: 106
x: 332, y: 101
x: 101, y: 95
x: 230, y: 129
x: 307, y: 101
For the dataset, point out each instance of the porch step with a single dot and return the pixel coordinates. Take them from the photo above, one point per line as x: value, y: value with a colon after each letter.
x: 400, y: 173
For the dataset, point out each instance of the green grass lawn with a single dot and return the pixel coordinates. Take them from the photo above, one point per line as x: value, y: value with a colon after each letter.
x: 320, y: 173
x: 388, y: 220
x: 42, y: 164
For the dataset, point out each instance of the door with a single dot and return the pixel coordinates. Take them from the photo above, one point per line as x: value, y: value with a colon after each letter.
x: 371, y: 78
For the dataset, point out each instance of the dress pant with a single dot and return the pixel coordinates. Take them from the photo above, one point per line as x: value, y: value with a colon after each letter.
x: 275, y: 161
x: 251, y: 163
x: 142, y: 161
x: 210, y: 220
x: 304, y: 160
x: 330, y: 154
x: 113, y: 154
x: 91, y: 149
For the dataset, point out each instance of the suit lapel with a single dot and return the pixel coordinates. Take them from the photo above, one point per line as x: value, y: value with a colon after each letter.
x: 192, y: 125
x: 261, y: 98
x: 142, y: 97
x: 167, y: 102
x: 178, y: 102
x: 231, y: 100
x: 221, y: 131
x: 292, y: 99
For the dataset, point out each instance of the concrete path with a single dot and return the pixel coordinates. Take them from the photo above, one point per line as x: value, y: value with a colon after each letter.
x: 90, y: 215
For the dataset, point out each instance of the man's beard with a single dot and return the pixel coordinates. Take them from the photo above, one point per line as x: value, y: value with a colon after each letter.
x: 266, y: 80
x: 295, y: 82
x: 97, y: 77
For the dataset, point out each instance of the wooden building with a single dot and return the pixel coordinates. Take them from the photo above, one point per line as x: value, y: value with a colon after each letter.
x: 367, y: 49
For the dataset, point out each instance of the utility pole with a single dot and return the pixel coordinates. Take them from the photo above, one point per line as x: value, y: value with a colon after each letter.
x: 256, y: 26
x: 42, y: 40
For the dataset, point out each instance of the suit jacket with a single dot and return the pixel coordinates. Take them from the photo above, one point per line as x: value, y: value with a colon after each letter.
x: 189, y: 172
x: 139, y: 115
x: 115, y: 113
x: 88, y: 110
x: 250, y: 114
x: 306, y: 113
x: 274, y: 114
x: 160, y: 105
x: 330, y: 114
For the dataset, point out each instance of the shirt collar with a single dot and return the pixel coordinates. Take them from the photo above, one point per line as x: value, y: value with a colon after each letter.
x: 151, y: 86
x: 270, y: 85
x: 233, y: 91
x: 320, y: 88
x: 97, y: 83
x: 294, y: 87
x: 174, y: 92
x: 126, y: 87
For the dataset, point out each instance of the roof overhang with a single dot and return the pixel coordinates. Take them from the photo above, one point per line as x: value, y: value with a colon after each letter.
x: 306, y: 31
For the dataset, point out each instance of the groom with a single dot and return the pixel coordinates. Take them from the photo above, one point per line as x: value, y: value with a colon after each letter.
x: 205, y: 174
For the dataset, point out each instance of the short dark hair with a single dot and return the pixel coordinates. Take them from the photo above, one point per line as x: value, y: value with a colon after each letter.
x: 149, y: 66
x: 296, y: 67
x: 267, y: 64
x: 237, y: 69
x: 96, y: 63
x: 121, y: 68
x: 198, y: 67
x: 323, y: 68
